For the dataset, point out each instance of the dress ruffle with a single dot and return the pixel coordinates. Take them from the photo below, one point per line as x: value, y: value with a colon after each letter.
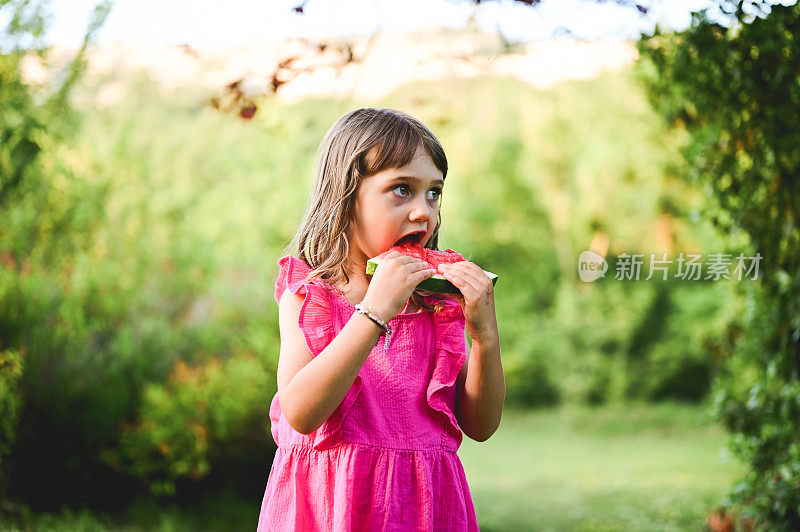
x: 315, y: 313
x: 360, y: 487
x: 316, y: 322
x: 450, y: 352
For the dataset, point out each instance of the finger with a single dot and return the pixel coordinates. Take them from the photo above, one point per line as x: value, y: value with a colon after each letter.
x: 478, y: 279
x: 421, y: 275
x: 463, y: 266
x: 406, y: 259
x: 403, y: 263
x: 470, y: 271
x: 399, y: 258
x: 419, y: 266
x: 458, y: 280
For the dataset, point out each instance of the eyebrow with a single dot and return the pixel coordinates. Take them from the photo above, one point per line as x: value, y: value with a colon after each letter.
x: 415, y: 179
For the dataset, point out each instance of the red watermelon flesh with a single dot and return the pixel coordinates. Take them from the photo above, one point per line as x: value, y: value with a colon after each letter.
x: 431, y: 256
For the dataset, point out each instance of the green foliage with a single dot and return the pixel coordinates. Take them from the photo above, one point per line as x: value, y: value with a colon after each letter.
x: 10, y: 402
x: 119, y: 284
x: 22, y: 129
x: 199, y: 415
x: 25, y: 132
x: 91, y: 298
x: 32, y: 115
x: 736, y: 90
x: 671, y: 348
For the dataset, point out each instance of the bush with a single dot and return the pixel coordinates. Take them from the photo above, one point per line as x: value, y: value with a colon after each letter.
x: 733, y: 84
x: 10, y: 402
x: 201, y: 414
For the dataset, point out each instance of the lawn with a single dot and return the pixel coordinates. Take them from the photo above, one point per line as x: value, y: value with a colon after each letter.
x: 660, y: 467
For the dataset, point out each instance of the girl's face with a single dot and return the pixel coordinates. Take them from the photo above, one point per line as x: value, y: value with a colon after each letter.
x: 393, y: 203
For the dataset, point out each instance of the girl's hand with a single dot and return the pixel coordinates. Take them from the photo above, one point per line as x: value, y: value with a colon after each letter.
x: 476, y: 298
x: 394, y: 281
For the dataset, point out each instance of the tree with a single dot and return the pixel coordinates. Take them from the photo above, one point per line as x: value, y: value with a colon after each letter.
x: 732, y: 81
x: 32, y: 119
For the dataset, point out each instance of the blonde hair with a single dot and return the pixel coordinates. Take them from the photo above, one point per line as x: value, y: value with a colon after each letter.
x: 361, y: 143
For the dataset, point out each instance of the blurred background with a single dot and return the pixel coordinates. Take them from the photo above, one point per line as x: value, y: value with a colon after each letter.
x: 157, y: 156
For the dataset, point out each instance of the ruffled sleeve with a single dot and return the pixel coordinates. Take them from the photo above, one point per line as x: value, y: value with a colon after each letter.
x: 450, y: 353
x: 317, y: 324
x: 315, y: 313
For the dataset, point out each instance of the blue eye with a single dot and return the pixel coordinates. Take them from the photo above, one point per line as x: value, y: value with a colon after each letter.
x: 400, y: 186
x: 436, y: 191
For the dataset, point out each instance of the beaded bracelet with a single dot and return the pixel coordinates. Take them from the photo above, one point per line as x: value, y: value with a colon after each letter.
x: 387, y: 329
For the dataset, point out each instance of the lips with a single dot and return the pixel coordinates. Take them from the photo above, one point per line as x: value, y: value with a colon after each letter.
x: 415, y: 237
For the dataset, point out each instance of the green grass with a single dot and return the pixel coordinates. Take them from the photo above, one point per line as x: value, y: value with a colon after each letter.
x: 651, y: 467
x: 658, y: 467
x: 222, y: 513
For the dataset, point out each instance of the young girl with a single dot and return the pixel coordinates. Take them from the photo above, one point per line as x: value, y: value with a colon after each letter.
x: 374, y: 382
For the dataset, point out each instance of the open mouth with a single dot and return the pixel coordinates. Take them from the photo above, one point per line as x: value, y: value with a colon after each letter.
x: 411, y: 238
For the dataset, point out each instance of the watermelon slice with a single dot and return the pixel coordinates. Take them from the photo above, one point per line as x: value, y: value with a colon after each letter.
x: 437, y: 283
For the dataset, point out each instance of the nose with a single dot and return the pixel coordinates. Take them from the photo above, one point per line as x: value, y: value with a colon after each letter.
x: 421, y: 210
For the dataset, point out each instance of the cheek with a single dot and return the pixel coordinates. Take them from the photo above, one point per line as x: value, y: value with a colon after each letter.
x: 382, y: 225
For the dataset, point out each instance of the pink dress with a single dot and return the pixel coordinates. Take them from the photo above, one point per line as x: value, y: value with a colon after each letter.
x: 386, y: 458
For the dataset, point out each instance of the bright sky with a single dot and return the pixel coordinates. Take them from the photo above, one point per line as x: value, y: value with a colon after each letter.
x: 215, y: 24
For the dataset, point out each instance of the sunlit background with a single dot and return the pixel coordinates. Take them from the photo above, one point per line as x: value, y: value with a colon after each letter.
x: 145, y: 205
x: 206, y: 25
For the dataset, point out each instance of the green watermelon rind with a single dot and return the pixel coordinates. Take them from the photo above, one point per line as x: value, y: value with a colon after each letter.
x: 437, y: 283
